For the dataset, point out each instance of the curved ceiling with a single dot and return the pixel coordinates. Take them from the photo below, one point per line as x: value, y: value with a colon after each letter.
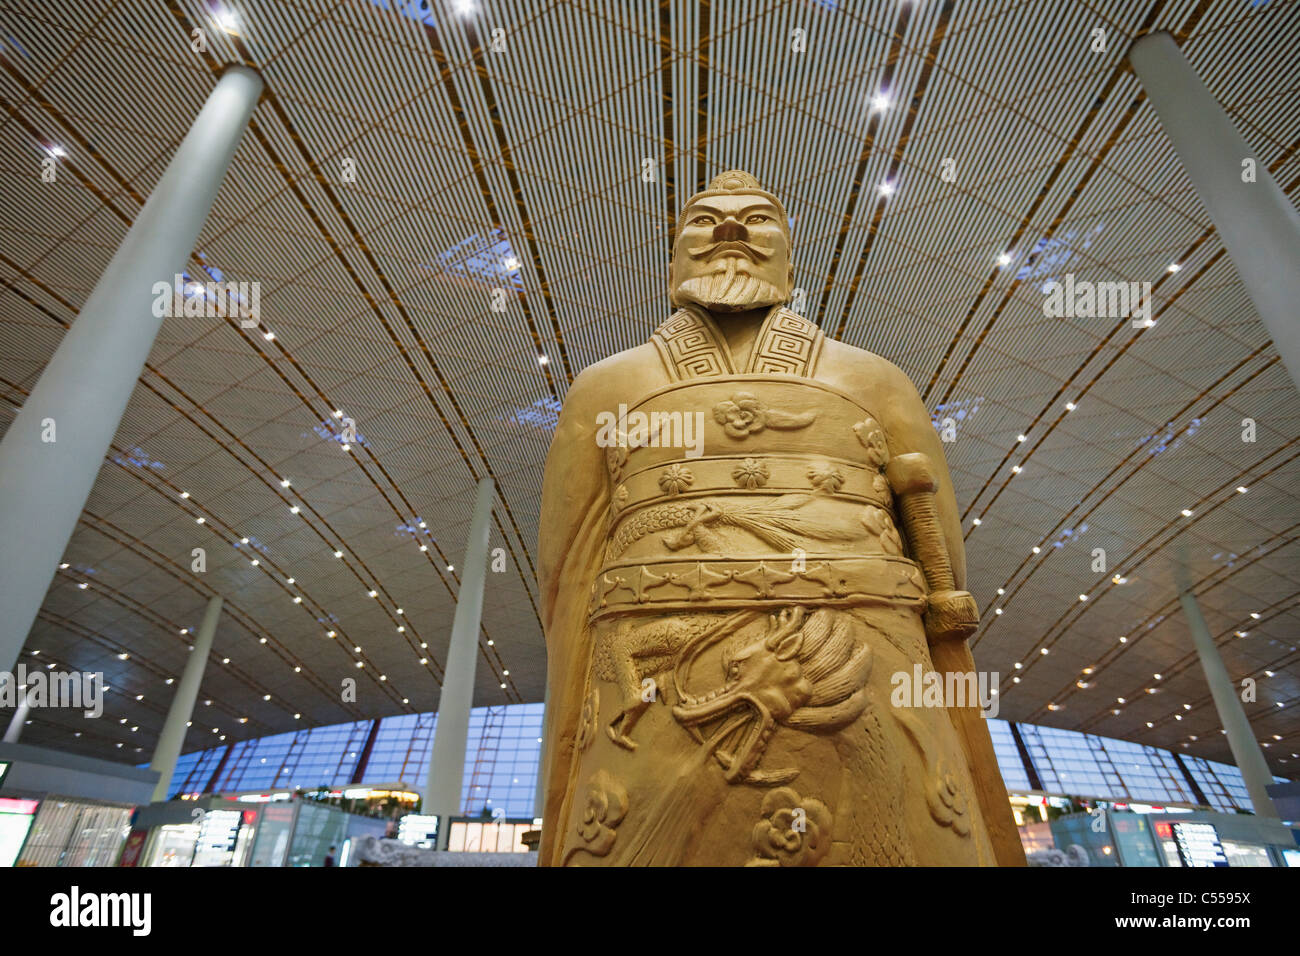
x: 408, y: 161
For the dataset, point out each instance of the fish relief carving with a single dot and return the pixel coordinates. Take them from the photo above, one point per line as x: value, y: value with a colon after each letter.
x: 778, y: 523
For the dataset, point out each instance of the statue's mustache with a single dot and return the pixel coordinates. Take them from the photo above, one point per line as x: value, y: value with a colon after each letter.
x: 755, y: 252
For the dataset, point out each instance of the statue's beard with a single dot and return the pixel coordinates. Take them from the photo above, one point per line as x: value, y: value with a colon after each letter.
x: 730, y: 289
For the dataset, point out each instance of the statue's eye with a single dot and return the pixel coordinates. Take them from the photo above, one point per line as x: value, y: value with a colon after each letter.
x: 756, y: 219
x: 702, y: 221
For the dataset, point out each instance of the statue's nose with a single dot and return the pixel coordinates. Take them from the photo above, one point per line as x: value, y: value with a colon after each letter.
x: 729, y: 230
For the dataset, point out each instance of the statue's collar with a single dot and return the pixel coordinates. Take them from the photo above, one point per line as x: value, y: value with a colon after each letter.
x: 691, y: 345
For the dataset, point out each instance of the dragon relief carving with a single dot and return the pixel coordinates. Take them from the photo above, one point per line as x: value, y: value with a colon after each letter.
x: 634, y: 652
x: 805, y: 672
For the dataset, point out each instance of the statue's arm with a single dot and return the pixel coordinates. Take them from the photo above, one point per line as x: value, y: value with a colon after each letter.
x: 911, y: 430
x: 574, y: 478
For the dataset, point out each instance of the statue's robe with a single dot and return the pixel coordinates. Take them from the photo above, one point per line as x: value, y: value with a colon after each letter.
x: 723, y: 631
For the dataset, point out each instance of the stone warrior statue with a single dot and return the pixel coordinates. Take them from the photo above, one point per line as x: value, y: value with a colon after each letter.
x: 747, y: 528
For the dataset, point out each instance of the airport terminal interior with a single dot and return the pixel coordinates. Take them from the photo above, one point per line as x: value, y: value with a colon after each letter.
x: 312, y: 317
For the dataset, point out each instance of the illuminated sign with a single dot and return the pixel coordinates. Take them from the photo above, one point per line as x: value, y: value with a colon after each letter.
x: 13, y: 805
x: 418, y: 829
x: 1198, y: 844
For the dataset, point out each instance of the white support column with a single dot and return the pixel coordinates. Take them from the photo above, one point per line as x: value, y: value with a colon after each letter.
x: 19, y: 719
x: 172, y: 737
x: 447, y: 762
x: 1241, y: 740
x: 83, y: 391
x: 1258, y: 223
x: 539, y: 795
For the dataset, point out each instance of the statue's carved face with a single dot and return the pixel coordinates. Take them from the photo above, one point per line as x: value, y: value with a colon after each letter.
x: 733, y: 254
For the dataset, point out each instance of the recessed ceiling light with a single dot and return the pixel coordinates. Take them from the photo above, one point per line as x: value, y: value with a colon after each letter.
x: 1015, y: 469
x: 451, y: 568
x: 997, y: 610
x: 1187, y: 512
x: 347, y: 447
x: 1083, y: 597
x: 1020, y: 438
x: 1242, y: 489
x: 880, y: 102
x: 976, y: 522
x: 284, y: 482
x: 199, y: 520
x: 1255, y: 615
x: 185, y: 494
x: 266, y: 697
x: 542, y: 360
x: 268, y: 335
x: 1037, y: 549
x: 297, y: 600
x: 373, y: 593
x: 338, y: 554
x: 886, y: 189
x: 1070, y: 406
x: 1174, y: 267
x: 295, y: 509
x: 1004, y: 259
x: 1002, y: 591
x: 243, y: 541
x: 63, y: 567
x: 1043, y: 651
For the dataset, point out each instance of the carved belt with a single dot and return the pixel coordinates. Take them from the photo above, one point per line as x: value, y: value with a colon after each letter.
x: 706, y: 584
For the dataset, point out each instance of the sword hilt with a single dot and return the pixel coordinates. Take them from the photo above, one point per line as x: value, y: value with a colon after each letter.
x: 949, y: 613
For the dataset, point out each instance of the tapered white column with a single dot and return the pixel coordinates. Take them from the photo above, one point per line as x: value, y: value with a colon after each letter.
x: 447, y: 762
x: 1241, y: 740
x: 19, y: 719
x: 168, y: 748
x: 1257, y: 222
x: 54, y: 449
